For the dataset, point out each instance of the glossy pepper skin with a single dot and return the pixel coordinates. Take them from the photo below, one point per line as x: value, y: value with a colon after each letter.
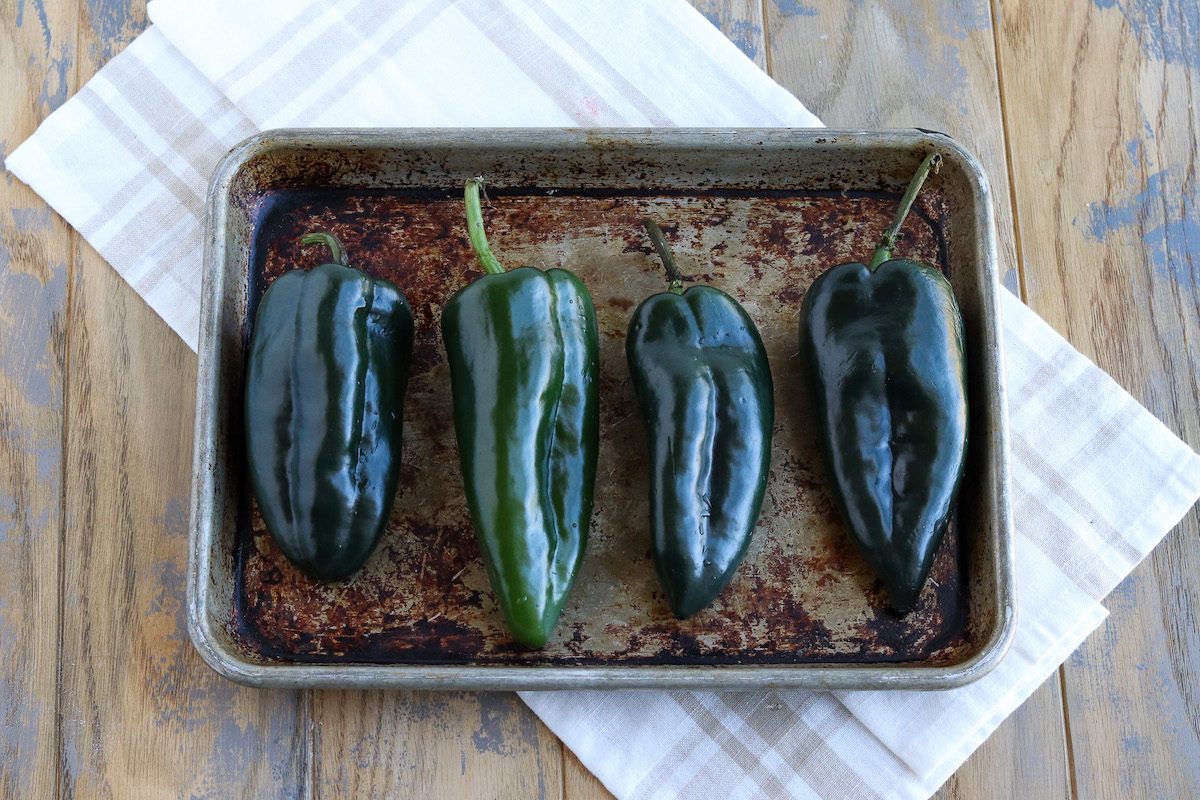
x: 883, y: 348
x: 325, y: 380
x: 522, y: 347
x: 704, y: 387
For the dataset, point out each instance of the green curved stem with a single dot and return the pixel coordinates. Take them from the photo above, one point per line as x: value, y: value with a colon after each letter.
x: 887, y: 242
x: 321, y: 237
x: 659, y: 241
x: 475, y: 229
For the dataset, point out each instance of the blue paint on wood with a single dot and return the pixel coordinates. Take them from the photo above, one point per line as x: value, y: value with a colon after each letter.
x: 239, y: 745
x: 1173, y: 244
x: 29, y: 366
x: 499, y: 714
x: 1166, y: 29
x: 494, y: 713
x: 795, y: 8
x: 20, y: 717
x: 17, y: 518
x: 29, y: 311
x: 32, y: 220
x: 40, y: 8
x: 55, y: 81
x: 747, y: 36
x: 114, y: 24
x: 742, y: 33
x: 960, y: 17
x: 174, y: 520
x: 1134, y: 149
x: 9, y: 512
x: 938, y: 68
x: 1163, y: 697
x: 1012, y: 281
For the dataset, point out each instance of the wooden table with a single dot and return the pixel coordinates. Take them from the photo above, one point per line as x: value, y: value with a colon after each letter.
x: 1085, y: 114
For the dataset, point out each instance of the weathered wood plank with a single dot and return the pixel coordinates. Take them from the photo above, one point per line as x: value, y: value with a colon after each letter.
x: 928, y: 64
x: 1108, y: 207
x: 142, y: 716
x: 437, y: 745
x: 37, y: 46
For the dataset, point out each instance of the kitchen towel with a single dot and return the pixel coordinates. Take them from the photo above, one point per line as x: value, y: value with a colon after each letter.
x: 126, y: 162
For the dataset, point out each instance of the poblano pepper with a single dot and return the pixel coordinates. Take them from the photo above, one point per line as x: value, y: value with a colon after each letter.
x: 704, y: 386
x: 522, y: 348
x: 324, y: 404
x: 883, y: 346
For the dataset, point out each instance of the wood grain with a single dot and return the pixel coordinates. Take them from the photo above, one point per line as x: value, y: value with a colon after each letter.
x: 1108, y: 208
x: 142, y: 716
x: 437, y: 745
x: 35, y: 247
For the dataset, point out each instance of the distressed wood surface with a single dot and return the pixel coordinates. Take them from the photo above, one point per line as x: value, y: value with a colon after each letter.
x: 1084, y: 116
x: 1101, y: 100
x: 35, y: 247
x: 437, y: 745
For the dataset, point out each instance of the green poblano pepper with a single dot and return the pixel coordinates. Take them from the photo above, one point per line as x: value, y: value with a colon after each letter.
x: 704, y: 386
x: 883, y: 345
x: 522, y: 347
x: 324, y: 404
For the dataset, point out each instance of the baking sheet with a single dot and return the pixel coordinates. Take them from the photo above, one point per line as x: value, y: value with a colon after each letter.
x: 744, y: 213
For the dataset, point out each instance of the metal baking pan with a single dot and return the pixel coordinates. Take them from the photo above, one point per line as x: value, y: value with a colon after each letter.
x: 758, y: 213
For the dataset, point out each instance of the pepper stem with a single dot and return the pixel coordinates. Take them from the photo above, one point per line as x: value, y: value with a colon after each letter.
x: 887, y: 242
x: 475, y: 229
x: 321, y: 237
x: 659, y: 240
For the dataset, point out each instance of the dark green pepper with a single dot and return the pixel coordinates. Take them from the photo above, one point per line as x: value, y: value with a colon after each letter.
x: 325, y: 379
x: 522, y: 348
x: 704, y: 386
x: 883, y: 347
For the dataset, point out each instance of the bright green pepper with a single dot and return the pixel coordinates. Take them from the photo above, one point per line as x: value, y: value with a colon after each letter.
x: 704, y: 385
x: 522, y: 349
x: 883, y: 347
x: 324, y: 406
